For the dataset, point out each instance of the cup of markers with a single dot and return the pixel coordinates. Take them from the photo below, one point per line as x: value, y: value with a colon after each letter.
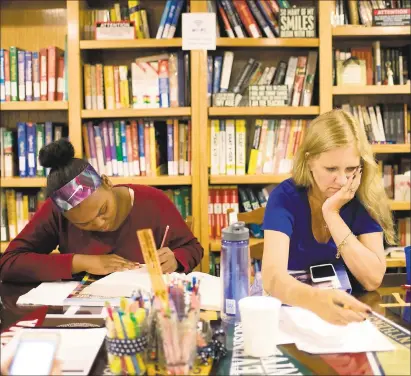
x: 173, y: 339
x: 126, y: 339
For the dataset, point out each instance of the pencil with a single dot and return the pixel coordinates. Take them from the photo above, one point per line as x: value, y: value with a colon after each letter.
x: 165, y: 236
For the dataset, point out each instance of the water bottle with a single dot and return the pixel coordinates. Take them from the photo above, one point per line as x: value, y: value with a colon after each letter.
x: 235, y: 263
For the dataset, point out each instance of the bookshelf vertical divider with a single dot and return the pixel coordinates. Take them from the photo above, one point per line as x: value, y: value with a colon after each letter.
x: 75, y: 92
x: 325, y: 56
x: 199, y: 116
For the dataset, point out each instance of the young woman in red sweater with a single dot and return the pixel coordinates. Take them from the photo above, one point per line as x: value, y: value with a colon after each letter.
x: 94, y: 224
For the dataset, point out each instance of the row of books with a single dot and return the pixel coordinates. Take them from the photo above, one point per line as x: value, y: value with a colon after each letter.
x: 151, y: 82
x: 297, y: 75
x: 396, y: 183
x: 33, y: 75
x: 240, y: 199
x: 403, y: 226
x: 28, y: 141
x: 248, y: 18
x: 361, y: 12
x: 272, y: 150
x: 386, y: 123
x: 377, y: 61
x: 135, y: 13
x: 18, y: 207
x: 139, y: 147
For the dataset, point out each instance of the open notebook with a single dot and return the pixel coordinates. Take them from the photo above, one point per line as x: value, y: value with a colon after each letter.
x: 114, y: 286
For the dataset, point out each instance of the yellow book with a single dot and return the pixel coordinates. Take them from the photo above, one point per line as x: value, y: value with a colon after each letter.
x: 135, y: 15
x: 124, y: 89
x: 25, y: 209
x: 113, y: 16
x: 215, y: 147
x: 109, y: 87
x: 291, y: 139
x: 144, y: 20
x: 153, y: 150
x: 230, y: 146
x: 11, y: 212
x: 87, y: 86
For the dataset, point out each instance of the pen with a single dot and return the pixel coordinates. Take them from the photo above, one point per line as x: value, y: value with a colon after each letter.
x: 165, y: 236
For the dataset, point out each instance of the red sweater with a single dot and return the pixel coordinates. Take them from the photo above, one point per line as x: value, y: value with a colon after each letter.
x: 28, y: 258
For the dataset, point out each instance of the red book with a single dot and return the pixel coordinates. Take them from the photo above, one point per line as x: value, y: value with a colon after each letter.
x: 247, y: 18
x: 7, y: 82
x: 43, y: 74
x: 134, y: 141
x: 225, y: 193
x: 218, y: 211
x: 211, y: 219
x: 60, y: 79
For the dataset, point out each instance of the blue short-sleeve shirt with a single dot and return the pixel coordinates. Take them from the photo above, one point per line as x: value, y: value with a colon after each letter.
x: 288, y: 211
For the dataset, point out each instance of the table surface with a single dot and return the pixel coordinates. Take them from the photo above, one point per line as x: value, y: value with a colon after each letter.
x: 12, y: 313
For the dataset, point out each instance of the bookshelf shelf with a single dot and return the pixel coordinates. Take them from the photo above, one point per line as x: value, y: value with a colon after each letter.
x: 248, y: 179
x: 129, y: 44
x: 395, y: 262
x: 132, y: 112
x: 3, y: 246
x: 33, y: 106
x: 264, y: 111
x: 268, y: 42
x: 371, y: 90
x: 152, y: 180
x: 389, y: 149
x: 400, y: 205
x: 356, y: 31
x: 17, y: 182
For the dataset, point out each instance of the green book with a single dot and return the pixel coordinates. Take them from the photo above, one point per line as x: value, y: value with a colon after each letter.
x: 119, y: 150
x: 4, y: 228
x: 14, y: 74
x: 40, y: 140
x: 179, y: 203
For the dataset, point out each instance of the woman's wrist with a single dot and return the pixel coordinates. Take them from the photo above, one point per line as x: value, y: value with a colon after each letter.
x: 78, y: 264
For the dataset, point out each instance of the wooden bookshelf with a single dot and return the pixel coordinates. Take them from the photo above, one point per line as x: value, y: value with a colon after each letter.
x: 3, y: 246
x: 395, y: 262
x: 17, y: 182
x: 131, y: 112
x: 248, y: 179
x: 154, y: 180
x: 268, y: 42
x: 400, y: 205
x: 133, y: 44
x: 391, y: 148
x: 34, y: 106
x: 264, y: 111
x: 371, y: 90
x: 359, y: 31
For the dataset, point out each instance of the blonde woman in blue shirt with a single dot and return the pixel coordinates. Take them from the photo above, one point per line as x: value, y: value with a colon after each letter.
x: 333, y: 210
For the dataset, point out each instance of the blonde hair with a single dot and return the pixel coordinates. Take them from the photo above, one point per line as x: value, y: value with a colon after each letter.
x: 336, y: 129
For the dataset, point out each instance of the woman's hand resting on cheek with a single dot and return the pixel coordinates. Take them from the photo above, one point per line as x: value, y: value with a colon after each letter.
x: 101, y: 264
x: 334, y: 203
x: 339, y: 308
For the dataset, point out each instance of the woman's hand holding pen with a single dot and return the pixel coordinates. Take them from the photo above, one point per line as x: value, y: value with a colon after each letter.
x: 339, y: 308
x: 168, y: 261
x: 101, y: 264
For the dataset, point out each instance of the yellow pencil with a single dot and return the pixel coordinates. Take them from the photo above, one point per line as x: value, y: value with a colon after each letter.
x: 121, y: 335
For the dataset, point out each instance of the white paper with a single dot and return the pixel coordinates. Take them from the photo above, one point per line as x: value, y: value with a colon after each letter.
x: 48, y: 293
x: 77, y: 349
x: 199, y: 31
x: 312, y: 334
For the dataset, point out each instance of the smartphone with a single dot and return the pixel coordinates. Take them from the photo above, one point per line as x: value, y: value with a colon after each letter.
x: 322, y: 273
x: 35, y: 353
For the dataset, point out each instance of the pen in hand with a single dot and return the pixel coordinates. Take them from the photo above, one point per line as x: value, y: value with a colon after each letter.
x: 164, y: 237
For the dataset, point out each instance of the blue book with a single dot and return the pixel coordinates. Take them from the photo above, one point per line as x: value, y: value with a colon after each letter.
x: 112, y: 140
x: 31, y: 149
x: 2, y: 77
x: 218, y: 63
x: 21, y: 75
x: 170, y: 16
x: 170, y: 149
x: 28, y: 68
x: 124, y: 146
x: 174, y: 21
x: 141, y: 147
x: 163, y: 19
x: 164, y: 84
x: 49, y: 138
x: 209, y: 78
x: 22, y: 149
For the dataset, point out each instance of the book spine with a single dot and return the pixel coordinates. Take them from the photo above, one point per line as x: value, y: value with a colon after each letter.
x: 252, y: 163
x: 43, y: 74
x: 36, y: 76
x: 268, y: 15
x: 173, y: 80
x: 218, y: 62
x: 163, y: 20
x: 174, y: 21
x: 170, y: 152
x: 141, y: 149
x: 226, y: 22
x: 40, y: 140
x: 134, y: 142
x: 124, y: 87
x: 60, y: 79
x: 113, y: 151
x: 86, y: 142
x: 11, y: 212
x: 109, y: 87
x: 8, y: 142
x: 153, y: 153
x: 119, y: 150
x: 260, y: 19
x: 2, y: 75
x: 31, y: 149
x: 243, y: 76
x: 7, y: 82
x: 214, y: 143
x: 22, y: 149
x: 92, y: 141
x: 4, y: 227
x: 87, y: 86
x: 230, y: 147
x: 247, y: 18
x: 308, y: 87
x: 99, y: 150
x: 164, y: 83
x: 147, y: 148
x: 222, y: 146
x: 144, y: 20
x: 240, y: 146
x: 299, y: 80
x: 107, y: 148
x: 377, y: 62
x: 187, y: 167
x: 226, y: 71
x: 124, y: 148
x: 169, y: 20
x: 52, y: 73
x: 19, y: 212
x: 14, y: 71
x: 21, y: 75
x: 233, y: 17
x: 116, y: 84
x: 129, y: 144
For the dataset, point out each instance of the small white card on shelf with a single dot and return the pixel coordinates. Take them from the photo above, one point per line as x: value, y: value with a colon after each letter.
x: 199, y: 31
